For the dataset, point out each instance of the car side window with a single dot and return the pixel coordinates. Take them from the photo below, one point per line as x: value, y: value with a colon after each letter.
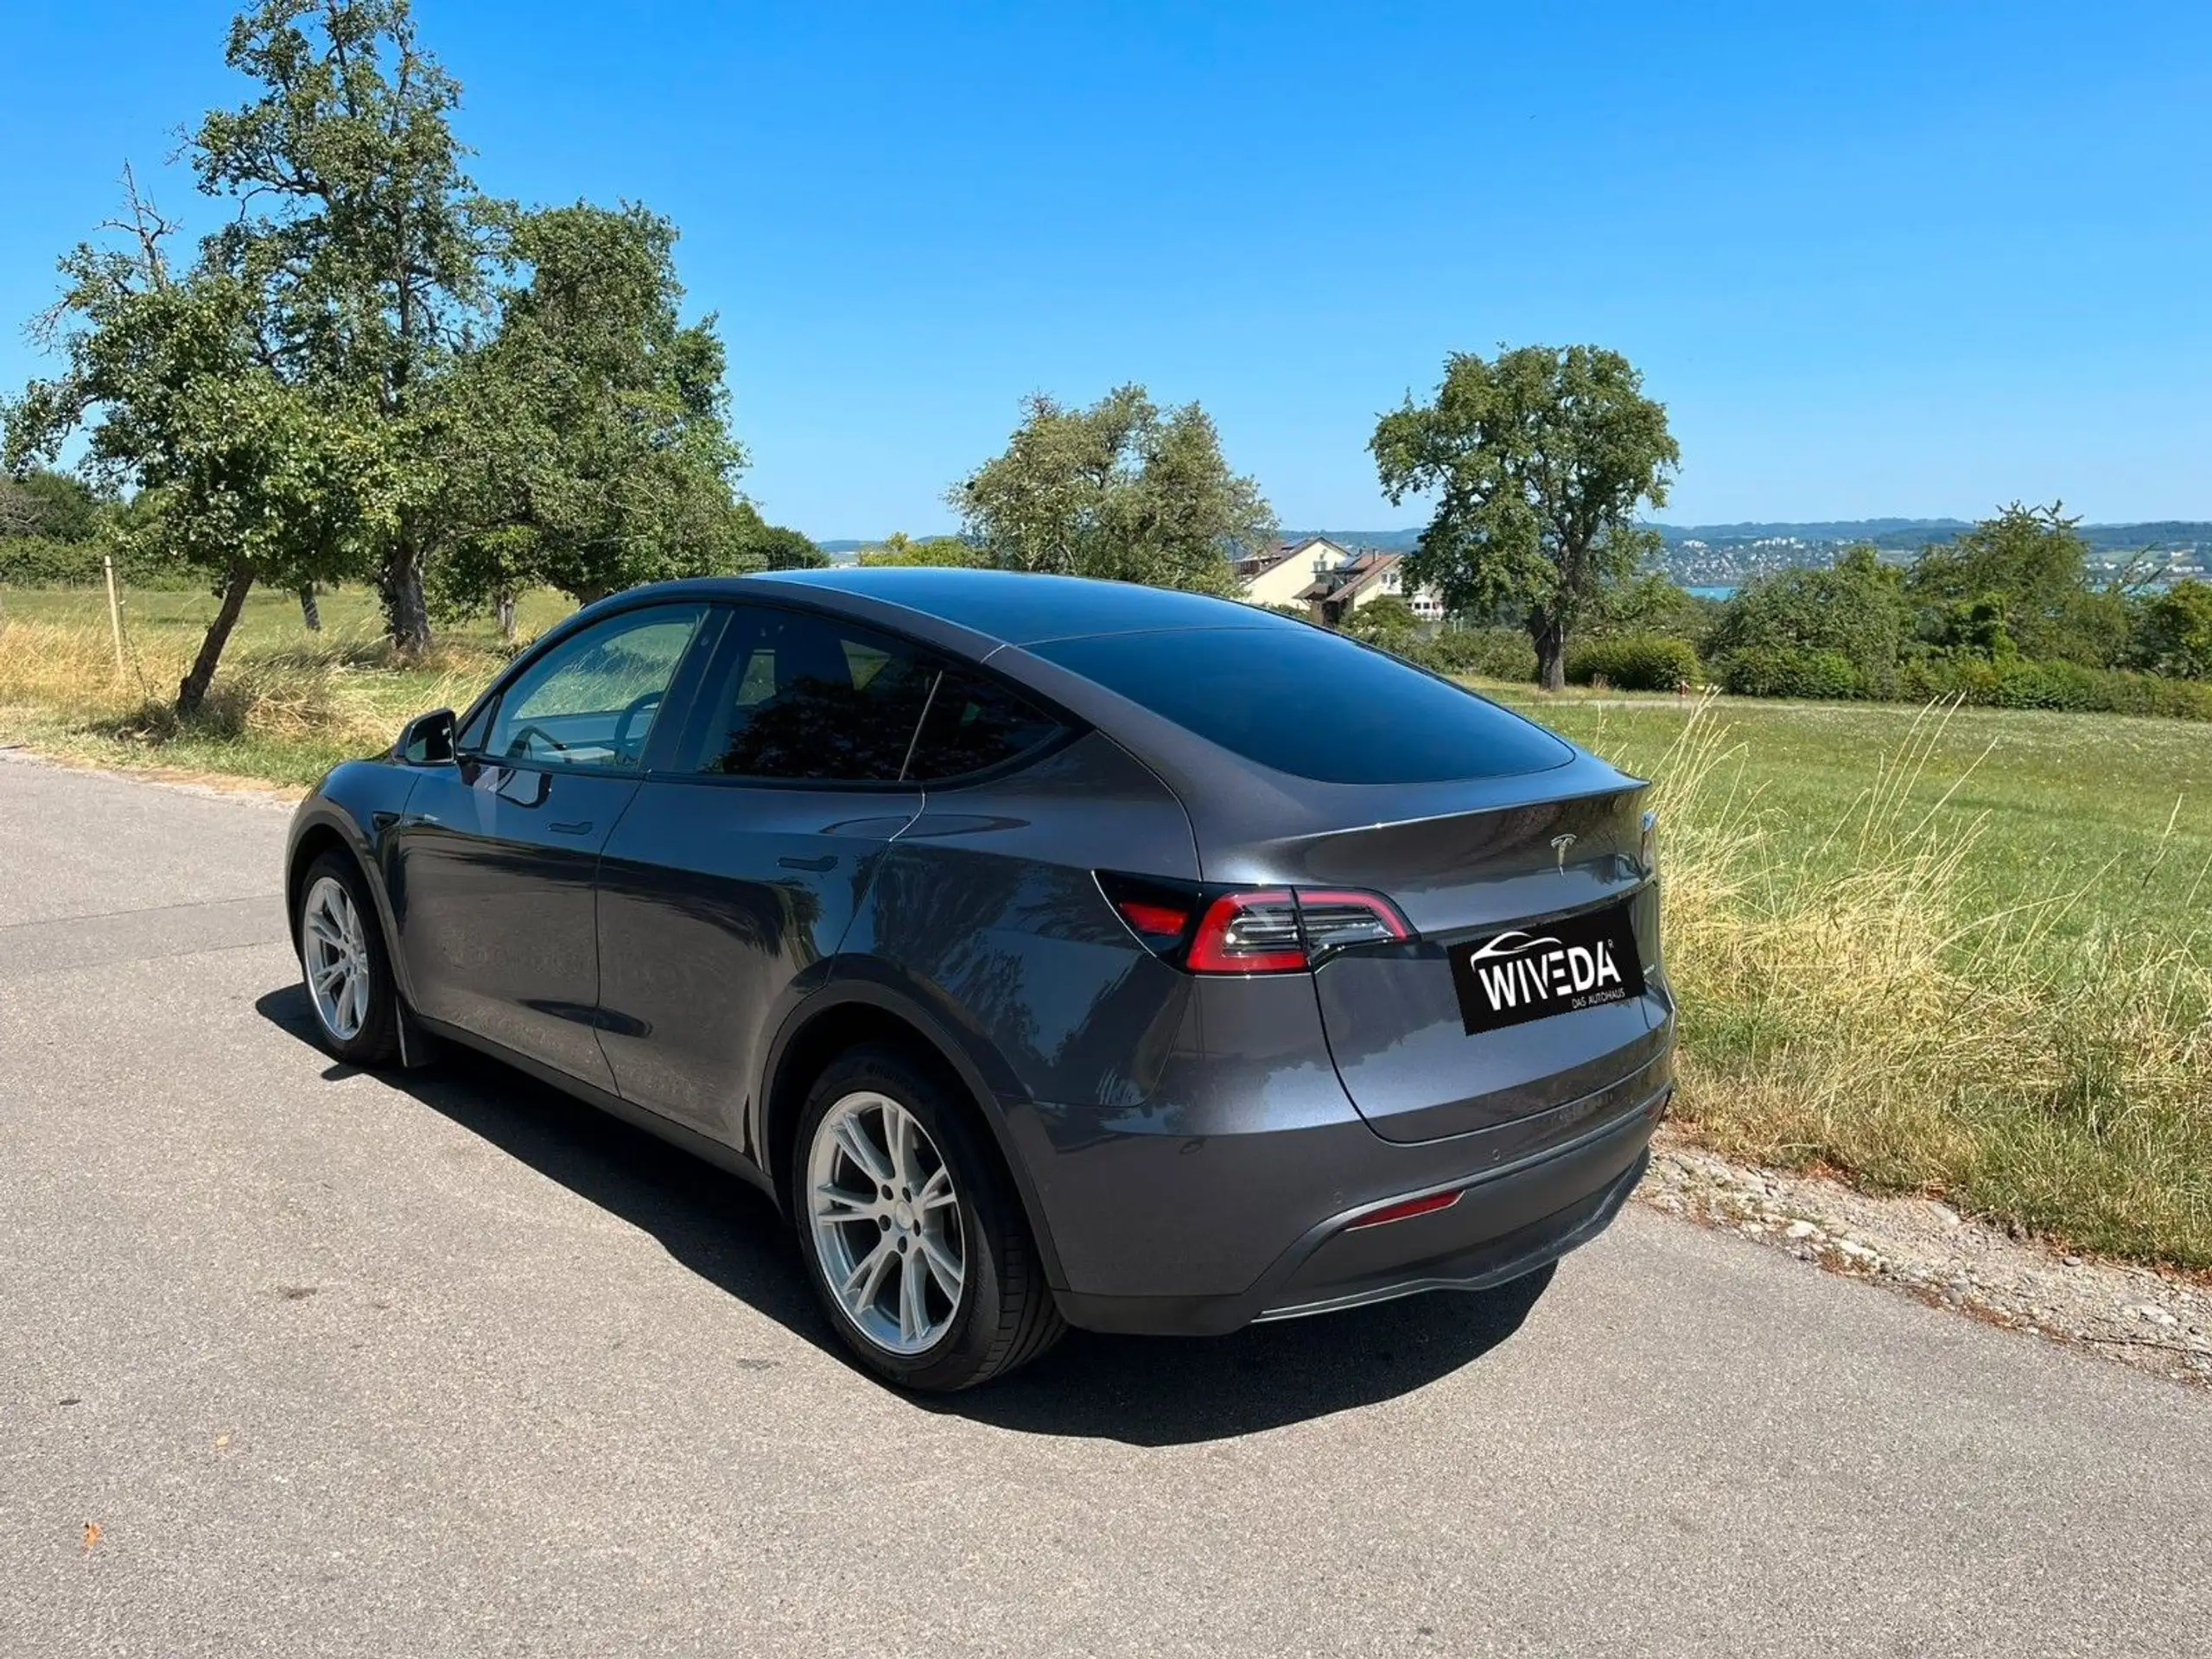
x: 799, y: 697
x: 974, y: 723
x: 592, y: 700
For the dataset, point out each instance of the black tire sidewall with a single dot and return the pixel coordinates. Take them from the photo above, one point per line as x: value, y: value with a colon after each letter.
x: 962, y: 1355
x: 377, y: 1039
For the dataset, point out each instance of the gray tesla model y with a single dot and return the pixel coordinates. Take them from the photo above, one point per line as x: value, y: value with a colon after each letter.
x: 1052, y: 952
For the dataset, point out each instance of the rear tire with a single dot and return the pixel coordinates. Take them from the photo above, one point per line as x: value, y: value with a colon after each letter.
x: 913, y: 1236
x: 343, y: 965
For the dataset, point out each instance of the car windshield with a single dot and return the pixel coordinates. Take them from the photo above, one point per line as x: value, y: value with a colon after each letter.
x: 1310, y: 703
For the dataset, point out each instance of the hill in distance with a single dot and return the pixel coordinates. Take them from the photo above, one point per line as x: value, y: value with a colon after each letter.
x: 1906, y: 534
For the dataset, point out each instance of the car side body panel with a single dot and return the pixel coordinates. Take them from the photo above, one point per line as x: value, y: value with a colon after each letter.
x: 717, y: 904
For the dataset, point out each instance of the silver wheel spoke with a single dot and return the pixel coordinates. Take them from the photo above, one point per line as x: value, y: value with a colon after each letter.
x: 882, y: 1202
x: 835, y: 1204
x: 903, y: 1130
x: 937, y: 1192
x: 943, y: 1267
x: 862, y: 1150
x: 914, y: 1314
x: 864, y: 1283
x: 334, y: 957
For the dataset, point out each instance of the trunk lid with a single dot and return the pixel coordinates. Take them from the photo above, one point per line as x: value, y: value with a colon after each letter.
x: 1551, y: 855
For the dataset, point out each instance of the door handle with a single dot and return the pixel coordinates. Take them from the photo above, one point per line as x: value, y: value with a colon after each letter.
x: 817, y: 865
x: 574, y: 827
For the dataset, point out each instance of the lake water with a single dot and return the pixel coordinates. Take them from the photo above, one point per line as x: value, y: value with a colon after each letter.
x: 1711, y: 593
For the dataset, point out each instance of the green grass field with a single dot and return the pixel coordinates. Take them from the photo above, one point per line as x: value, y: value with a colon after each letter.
x: 2115, y: 809
x: 1964, y: 952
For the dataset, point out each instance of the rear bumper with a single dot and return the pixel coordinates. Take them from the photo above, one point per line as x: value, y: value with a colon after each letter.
x: 1510, y: 1220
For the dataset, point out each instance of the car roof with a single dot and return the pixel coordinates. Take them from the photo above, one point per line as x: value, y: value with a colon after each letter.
x: 1010, y: 606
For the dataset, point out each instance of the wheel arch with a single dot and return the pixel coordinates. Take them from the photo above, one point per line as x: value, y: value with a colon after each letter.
x: 848, y: 1015
x: 311, y: 843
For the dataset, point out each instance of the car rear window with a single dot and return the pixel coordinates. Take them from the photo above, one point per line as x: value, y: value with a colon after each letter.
x: 1309, y: 702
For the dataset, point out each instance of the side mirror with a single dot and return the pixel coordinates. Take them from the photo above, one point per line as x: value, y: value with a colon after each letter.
x: 427, y: 740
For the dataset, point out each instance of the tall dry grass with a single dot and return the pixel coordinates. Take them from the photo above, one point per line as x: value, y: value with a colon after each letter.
x: 273, y: 711
x: 1855, y: 996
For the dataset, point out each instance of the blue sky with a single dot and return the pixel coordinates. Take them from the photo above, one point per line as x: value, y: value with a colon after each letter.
x: 1881, y: 259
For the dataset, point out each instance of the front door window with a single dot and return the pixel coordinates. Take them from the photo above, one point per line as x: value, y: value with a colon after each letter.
x: 591, y: 701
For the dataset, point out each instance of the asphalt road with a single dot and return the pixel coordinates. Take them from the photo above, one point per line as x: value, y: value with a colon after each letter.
x: 440, y: 1364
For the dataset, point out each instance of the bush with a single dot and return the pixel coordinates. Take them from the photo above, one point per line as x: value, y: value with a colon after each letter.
x: 1388, y: 621
x: 1854, y: 610
x: 1788, y: 671
x: 1492, y: 653
x: 2024, y: 683
x: 1634, y: 661
x: 2174, y: 635
x: 42, y: 561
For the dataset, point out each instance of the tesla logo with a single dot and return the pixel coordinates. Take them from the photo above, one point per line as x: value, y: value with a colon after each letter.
x: 1559, y: 844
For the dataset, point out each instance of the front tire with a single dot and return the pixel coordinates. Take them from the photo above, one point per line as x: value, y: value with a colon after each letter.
x: 343, y: 965
x: 913, y: 1236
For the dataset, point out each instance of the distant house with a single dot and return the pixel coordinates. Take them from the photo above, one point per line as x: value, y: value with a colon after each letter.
x: 1328, y: 581
x: 1281, y: 577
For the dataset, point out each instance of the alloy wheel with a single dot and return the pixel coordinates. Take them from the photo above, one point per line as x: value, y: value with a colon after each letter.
x: 887, y: 1221
x: 335, y: 951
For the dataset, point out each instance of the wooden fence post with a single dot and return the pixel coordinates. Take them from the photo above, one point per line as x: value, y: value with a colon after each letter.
x: 114, y: 613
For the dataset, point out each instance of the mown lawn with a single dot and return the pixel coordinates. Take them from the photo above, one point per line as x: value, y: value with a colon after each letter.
x: 1965, y: 952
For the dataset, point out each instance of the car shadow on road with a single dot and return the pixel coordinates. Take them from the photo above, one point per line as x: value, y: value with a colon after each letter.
x: 1140, y: 1390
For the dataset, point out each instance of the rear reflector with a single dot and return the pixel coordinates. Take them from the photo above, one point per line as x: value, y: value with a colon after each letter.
x: 1405, y: 1211
x: 1159, y: 920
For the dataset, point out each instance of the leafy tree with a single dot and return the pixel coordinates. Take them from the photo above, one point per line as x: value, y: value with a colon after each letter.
x: 2028, y: 564
x: 357, y: 231
x: 245, y: 471
x: 2175, y: 636
x: 585, y: 447
x: 899, y: 548
x: 1855, y: 609
x: 1122, y: 490
x: 1388, y: 621
x: 48, y: 503
x: 764, y: 546
x: 1538, y: 459
x: 1655, y: 604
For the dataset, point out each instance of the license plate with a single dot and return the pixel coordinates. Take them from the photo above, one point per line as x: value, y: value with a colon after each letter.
x: 1547, y: 968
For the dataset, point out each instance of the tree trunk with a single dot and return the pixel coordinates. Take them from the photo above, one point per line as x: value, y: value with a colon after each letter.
x: 192, y: 690
x: 310, y: 611
x: 505, y: 605
x: 1549, y: 634
x: 407, y: 618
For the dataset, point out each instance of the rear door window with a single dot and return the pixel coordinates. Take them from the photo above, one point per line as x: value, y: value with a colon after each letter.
x: 1310, y: 703
x: 974, y: 724
x: 797, y: 697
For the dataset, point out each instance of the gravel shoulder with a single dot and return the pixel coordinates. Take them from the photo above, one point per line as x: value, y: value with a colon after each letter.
x: 2156, y: 1322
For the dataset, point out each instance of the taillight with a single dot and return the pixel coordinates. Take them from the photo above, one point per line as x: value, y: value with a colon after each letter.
x: 1251, y: 930
x: 1249, y: 933
x: 1334, y: 919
